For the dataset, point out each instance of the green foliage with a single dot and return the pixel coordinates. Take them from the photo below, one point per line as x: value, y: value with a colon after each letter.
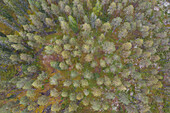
x: 37, y: 84
x: 49, y: 49
x: 97, y: 8
x: 43, y: 100
x: 96, y: 105
x: 26, y: 57
x: 72, y: 107
x: 73, y: 74
x: 55, y: 65
x: 79, y: 96
x: 54, y: 93
x: 54, y: 9
x: 53, y: 80
x: 28, y: 84
x: 21, y: 83
x: 124, y: 98
x: 112, y: 8
x: 32, y: 106
x: 49, y: 22
x: 24, y: 101
x: 30, y: 93
x: 42, y: 76
x: 32, y: 69
x: 84, y: 56
x: 56, y: 107
x: 108, y: 47
x: 106, y: 27
x: 73, y: 24
x: 64, y: 94
x: 18, y: 47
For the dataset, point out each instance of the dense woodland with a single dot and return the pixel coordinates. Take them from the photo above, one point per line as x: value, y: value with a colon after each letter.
x: 84, y: 56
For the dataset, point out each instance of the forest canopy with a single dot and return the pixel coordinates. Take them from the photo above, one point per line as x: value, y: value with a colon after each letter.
x: 84, y: 56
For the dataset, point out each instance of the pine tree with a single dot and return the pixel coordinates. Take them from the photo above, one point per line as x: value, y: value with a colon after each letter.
x: 43, y: 100
x: 73, y: 24
x: 54, y: 9
x: 93, y: 19
x: 112, y: 8
x: 97, y: 8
